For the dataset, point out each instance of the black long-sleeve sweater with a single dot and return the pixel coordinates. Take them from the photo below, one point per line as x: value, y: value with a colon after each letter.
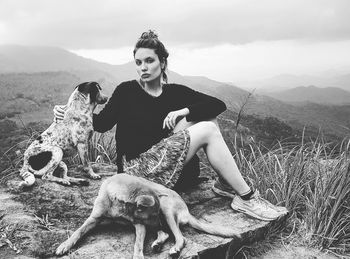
x: 139, y: 116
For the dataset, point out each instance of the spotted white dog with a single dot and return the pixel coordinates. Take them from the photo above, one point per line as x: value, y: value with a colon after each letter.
x: 45, y: 154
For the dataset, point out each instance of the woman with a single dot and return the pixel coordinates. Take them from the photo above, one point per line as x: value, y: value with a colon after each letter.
x: 161, y: 126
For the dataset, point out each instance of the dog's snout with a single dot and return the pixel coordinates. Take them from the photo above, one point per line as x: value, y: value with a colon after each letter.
x: 102, y: 99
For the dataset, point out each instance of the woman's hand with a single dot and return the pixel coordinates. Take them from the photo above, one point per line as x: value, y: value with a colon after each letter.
x: 59, y: 111
x: 173, y: 117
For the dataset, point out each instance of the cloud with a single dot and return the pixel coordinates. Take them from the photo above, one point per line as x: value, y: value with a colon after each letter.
x: 245, y: 62
x: 105, y: 24
x: 259, y: 60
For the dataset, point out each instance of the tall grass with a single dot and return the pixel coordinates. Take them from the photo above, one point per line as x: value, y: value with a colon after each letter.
x: 312, y: 180
x: 12, y: 159
x: 102, y: 149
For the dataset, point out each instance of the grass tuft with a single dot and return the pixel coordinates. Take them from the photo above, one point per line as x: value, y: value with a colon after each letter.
x: 102, y: 149
x: 44, y: 222
x: 312, y: 180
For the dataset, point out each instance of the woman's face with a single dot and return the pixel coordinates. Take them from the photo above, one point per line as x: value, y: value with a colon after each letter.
x: 148, y: 65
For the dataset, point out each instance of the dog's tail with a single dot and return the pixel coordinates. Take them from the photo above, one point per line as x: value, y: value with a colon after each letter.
x: 212, y: 228
x: 28, y: 178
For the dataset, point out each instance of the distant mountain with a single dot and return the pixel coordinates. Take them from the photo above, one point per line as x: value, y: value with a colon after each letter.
x: 327, y: 95
x: 24, y: 59
x: 334, y: 119
x: 29, y: 91
x: 16, y: 58
x: 288, y: 81
x: 230, y: 94
x: 30, y: 59
x: 33, y: 79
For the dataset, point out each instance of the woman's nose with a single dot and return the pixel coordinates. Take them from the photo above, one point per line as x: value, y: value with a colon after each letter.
x: 143, y: 67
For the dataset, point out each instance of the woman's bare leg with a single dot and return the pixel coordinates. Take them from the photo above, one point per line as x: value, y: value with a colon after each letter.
x: 206, y: 134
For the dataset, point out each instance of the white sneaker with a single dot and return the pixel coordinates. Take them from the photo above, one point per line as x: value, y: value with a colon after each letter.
x: 279, y: 209
x: 257, y: 207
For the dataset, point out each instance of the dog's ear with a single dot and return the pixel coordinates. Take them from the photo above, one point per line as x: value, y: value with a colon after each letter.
x: 83, y: 87
x: 145, y: 201
x: 94, y: 90
x: 89, y: 88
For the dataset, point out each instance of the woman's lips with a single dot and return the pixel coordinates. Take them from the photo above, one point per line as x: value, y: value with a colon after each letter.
x: 145, y: 75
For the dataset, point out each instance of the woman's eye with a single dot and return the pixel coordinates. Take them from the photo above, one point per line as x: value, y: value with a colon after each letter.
x: 150, y: 60
x: 138, y: 62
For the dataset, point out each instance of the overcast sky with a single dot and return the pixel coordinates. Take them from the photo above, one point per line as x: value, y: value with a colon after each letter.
x: 226, y: 40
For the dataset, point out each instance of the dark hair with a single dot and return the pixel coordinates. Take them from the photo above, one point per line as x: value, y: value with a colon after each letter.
x: 150, y: 40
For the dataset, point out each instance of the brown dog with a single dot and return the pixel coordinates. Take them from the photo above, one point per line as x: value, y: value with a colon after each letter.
x: 45, y: 153
x: 143, y: 202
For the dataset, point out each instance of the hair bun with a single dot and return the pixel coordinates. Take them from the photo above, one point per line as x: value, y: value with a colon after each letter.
x: 149, y: 35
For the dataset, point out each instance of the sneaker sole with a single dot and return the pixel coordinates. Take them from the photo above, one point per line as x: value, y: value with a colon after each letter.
x: 247, y: 212
x: 222, y: 193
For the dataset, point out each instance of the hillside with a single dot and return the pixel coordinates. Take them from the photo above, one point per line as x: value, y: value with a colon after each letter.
x: 327, y: 95
x: 288, y: 81
x: 331, y: 119
x: 24, y: 92
x: 33, y: 59
x: 33, y: 79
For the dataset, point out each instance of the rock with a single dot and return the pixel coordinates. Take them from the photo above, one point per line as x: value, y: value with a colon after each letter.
x: 47, y: 213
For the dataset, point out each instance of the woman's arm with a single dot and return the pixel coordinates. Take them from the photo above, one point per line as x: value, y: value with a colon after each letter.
x: 201, y: 106
x: 104, y: 120
x: 197, y: 106
x: 109, y: 115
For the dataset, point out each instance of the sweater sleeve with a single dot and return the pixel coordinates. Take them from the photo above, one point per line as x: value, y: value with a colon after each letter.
x: 201, y: 106
x: 108, y: 116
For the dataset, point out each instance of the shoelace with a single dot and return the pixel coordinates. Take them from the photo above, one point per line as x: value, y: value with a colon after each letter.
x: 261, y: 200
x: 266, y: 203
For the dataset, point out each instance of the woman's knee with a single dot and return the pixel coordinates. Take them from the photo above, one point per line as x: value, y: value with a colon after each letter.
x: 212, y: 128
x: 184, y: 124
x: 206, y: 129
x: 201, y: 134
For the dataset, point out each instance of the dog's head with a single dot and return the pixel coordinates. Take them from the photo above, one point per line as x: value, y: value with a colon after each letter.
x: 92, y: 89
x: 147, y: 210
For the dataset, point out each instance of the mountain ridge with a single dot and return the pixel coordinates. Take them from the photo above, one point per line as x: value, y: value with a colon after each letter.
x: 288, y: 81
x: 82, y: 69
x: 311, y: 93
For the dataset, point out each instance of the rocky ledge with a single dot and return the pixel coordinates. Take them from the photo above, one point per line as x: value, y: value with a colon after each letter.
x: 35, y: 221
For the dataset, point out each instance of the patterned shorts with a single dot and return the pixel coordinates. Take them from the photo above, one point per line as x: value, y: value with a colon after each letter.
x: 163, y: 162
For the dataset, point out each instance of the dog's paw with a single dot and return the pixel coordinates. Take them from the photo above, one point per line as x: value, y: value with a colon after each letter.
x: 95, y: 176
x: 28, y: 180
x: 156, y: 247
x: 63, y: 248
x: 92, y: 174
x: 159, y: 242
x: 176, y: 249
x: 65, y: 182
